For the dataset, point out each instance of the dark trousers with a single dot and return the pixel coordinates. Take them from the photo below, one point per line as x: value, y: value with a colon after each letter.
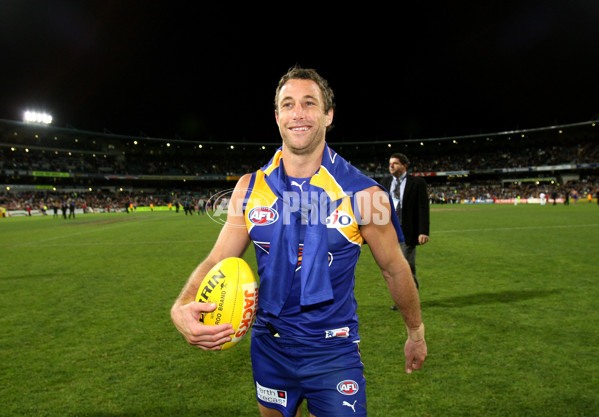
x: 409, y: 252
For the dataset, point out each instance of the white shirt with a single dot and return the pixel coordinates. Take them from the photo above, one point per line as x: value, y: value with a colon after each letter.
x: 402, y: 187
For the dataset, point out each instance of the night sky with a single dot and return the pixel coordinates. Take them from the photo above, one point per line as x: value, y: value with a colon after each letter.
x: 177, y: 69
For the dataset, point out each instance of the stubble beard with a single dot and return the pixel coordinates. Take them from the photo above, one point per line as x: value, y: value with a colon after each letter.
x: 313, y: 143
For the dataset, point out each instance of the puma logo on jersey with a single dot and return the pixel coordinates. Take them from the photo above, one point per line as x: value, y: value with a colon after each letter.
x: 298, y: 185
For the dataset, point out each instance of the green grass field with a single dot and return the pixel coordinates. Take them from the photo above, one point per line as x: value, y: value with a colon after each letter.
x: 509, y: 296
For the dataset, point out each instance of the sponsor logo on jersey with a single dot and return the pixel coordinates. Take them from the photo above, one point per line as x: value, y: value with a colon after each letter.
x: 271, y: 395
x: 348, y: 387
x: 263, y: 216
x: 339, y: 219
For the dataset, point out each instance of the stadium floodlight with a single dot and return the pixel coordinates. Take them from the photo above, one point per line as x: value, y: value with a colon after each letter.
x: 37, y: 117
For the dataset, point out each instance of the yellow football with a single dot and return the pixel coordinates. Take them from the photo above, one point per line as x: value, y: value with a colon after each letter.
x: 232, y: 286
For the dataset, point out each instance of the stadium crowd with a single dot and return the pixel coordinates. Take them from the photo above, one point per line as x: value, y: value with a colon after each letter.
x: 491, y: 191
x: 479, y: 184
x: 496, y: 159
x: 185, y: 163
x: 58, y: 203
x: 64, y: 203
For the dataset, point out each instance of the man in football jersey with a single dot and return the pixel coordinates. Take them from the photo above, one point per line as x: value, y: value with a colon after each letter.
x: 307, y: 212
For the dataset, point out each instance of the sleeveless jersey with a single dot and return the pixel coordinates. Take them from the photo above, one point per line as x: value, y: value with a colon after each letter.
x: 325, y: 324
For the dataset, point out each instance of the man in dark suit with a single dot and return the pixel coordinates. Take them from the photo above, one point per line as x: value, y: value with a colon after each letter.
x: 410, y: 198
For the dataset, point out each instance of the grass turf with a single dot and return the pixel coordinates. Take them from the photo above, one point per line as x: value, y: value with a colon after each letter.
x: 509, y: 297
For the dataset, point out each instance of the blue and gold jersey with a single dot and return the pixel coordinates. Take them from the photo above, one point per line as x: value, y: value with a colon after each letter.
x: 326, y: 323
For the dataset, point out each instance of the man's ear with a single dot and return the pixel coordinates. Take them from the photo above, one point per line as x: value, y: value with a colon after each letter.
x: 329, y: 117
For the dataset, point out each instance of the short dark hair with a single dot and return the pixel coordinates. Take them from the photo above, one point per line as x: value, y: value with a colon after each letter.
x: 298, y: 73
x: 402, y: 158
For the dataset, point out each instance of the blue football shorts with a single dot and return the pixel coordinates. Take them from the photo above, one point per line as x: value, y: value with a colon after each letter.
x: 331, y: 379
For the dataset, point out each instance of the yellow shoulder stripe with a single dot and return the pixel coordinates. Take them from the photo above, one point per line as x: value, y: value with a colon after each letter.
x: 276, y: 160
x: 325, y: 180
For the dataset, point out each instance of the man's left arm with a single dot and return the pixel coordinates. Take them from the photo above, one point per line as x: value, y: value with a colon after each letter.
x: 378, y: 231
x: 423, y: 213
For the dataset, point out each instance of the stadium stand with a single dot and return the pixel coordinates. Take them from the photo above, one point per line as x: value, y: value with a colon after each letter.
x: 44, y: 165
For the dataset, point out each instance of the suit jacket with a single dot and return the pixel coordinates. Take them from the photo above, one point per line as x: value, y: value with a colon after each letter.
x: 415, y: 213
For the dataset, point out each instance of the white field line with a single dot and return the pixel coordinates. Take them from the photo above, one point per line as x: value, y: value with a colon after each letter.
x: 38, y: 242
x: 41, y: 242
x: 499, y: 229
x: 121, y: 243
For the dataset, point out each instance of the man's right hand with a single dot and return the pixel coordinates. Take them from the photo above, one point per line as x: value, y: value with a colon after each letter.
x: 187, y: 320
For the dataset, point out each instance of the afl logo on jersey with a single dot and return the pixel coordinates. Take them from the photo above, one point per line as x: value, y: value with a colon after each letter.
x: 263, y: 216
x: 339, y: 219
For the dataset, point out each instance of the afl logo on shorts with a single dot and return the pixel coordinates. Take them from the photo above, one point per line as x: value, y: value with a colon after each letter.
x: 263, y: 216
x: 348, y: 387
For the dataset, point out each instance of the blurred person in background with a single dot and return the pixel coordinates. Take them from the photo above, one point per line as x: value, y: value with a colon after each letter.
x: 411, y: 202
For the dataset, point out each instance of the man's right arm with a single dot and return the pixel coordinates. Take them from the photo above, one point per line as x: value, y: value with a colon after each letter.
x: 232, y: 241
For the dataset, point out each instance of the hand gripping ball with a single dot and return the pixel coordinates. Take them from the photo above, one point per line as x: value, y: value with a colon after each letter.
x: 231, y: 285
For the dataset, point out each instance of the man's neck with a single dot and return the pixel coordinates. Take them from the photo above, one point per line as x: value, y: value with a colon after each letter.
x: 302, y: 165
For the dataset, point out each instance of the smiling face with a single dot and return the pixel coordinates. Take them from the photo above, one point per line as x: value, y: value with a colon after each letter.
x: 301, y: 117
